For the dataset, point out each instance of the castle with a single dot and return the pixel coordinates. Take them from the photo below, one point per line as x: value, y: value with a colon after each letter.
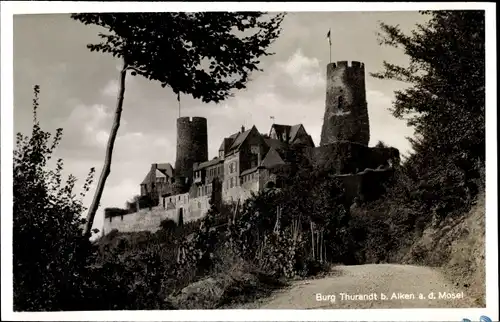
x: 249, y: 161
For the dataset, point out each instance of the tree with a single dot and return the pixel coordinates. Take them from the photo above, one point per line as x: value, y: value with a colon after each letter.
x: 176, y: 49
x: 445, y: 103
x: 50, y: 254
x: 446, y: 100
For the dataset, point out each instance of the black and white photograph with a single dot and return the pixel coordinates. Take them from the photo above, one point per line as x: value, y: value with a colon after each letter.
x: 237, y: 158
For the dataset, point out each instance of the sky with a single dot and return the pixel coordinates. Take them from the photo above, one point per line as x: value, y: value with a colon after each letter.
x: 79, y: 89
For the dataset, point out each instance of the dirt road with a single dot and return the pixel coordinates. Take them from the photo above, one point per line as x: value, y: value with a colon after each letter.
x: 363, y: 286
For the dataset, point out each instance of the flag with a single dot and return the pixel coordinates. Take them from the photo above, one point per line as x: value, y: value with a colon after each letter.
x: 178, y: 96
x: 328, y: 36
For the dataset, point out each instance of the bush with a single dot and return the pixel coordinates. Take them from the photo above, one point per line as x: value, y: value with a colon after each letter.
x: 50, y: 253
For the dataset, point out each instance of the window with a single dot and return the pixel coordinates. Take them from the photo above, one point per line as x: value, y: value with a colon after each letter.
x: 231, y: 183
x: 341, y: 103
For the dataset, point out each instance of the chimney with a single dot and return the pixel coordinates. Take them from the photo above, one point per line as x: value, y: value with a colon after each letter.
x: 242, y: 128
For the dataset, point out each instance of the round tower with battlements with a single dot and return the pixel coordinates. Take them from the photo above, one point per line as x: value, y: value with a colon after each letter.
x: 346, y: 110
x: 192, y: 147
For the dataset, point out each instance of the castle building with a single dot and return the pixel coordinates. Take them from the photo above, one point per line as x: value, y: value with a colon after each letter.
x: 249, y: 161
x: 244, y: 164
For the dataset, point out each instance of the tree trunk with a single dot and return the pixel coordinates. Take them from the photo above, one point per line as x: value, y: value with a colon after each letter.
x: 109, y: 152
x: 318, y: 250
x: 312, y: 239
x: 321, y: 246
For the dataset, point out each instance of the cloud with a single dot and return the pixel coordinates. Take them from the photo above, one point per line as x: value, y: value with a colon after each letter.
x: 86, y: 126
x: 111, y: 88
x: 304, y: 72
x: 385, y: 127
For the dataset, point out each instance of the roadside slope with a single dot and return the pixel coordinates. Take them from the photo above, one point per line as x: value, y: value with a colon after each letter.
x: 457, y: 247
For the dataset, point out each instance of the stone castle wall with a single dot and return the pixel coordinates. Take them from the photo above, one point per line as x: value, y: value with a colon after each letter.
x: 143, y: 220
x: 150, y: 220
x: 346, y: 110
x: 349, y: 158
x: 366, y: 185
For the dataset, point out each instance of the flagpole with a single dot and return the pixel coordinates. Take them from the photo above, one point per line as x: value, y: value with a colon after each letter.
x: 329, y: 36
x: 179, y: 100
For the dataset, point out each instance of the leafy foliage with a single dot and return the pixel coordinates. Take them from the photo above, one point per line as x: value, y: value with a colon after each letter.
x: 272, y: 229
x: 445, y: 102
x: 50, y: 254
x: 204, y: 54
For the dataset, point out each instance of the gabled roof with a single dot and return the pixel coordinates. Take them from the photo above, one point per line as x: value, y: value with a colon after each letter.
x: 294, y: 129
x: 162, y: 170
x: 235, y: 141
x: 166, y: 168
x: 240, y: 139
x: 227, y: 142
x: 281, y: 130
x: 289, y: 132
x: 147, y: 179
x: 272, y: 159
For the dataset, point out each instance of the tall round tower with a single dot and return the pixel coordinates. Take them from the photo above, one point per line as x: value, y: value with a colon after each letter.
x: 192, y: 147
x: 346, y: 111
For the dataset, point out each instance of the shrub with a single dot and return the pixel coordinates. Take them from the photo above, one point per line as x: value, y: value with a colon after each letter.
x: 50, y: 253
